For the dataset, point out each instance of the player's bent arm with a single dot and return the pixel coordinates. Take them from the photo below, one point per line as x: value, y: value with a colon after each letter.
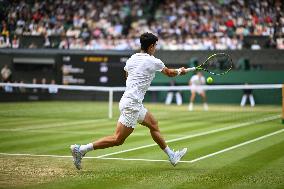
x: 173, y: 72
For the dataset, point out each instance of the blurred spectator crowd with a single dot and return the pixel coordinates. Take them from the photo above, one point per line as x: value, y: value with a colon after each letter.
x: 117, y: 24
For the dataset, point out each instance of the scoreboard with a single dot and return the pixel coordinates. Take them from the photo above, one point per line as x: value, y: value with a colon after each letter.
x: 92, y: 70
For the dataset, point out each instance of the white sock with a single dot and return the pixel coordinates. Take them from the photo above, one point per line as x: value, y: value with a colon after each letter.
x: 168, y: 151
x: 86, y: 148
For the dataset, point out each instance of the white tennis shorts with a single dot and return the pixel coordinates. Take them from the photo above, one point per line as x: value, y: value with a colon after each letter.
x: 131, y: 112
x: 196, y: 89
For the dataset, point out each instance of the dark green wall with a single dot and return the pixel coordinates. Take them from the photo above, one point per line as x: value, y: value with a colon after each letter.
x: 233, y: 77
x: 267, y: 96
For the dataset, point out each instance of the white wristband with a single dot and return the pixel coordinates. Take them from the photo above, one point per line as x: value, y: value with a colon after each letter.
x: 190, y: 69
x: 178, y: 71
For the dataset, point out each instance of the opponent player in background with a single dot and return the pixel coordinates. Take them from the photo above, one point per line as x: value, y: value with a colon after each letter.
x: 140, y: 69
x: 195, y: 82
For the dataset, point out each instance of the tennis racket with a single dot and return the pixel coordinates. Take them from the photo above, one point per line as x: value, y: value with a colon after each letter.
x: 216, y: 64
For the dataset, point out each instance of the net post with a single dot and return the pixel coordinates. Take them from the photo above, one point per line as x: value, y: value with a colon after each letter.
x: 110, y: 103
x: 283, y: 104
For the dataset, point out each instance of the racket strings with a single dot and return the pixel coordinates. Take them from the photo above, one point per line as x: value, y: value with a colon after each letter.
x: 217, y: 64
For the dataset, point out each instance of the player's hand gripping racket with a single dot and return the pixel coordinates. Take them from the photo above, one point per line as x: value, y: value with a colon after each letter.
x: 216, y: 64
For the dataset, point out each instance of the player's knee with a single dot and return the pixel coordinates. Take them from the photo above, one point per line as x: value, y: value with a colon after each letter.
x: 154, y: 126
x: 118, y: 141
x: 155, y: 123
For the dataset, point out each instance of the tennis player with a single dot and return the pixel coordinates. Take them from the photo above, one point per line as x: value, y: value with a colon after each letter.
x: 140, y: 69
x: 195, y: 82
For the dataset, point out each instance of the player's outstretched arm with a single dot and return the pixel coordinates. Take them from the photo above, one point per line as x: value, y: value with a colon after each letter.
x: 174, y: 72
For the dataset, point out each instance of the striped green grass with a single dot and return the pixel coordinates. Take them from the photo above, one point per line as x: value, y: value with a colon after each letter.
x: 48, y: 128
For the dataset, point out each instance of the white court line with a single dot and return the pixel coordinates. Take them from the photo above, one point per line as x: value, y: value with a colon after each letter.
x: 90, y: 157
x: 236, y: 146
x: 157, y: 160
x: 198, y: 134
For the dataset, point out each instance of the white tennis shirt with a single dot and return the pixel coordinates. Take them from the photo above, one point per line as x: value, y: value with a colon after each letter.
x: 196, y: 80
x: 141, y: 68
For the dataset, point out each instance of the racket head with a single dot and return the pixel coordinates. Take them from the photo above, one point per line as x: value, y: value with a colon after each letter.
x: 217, y: 64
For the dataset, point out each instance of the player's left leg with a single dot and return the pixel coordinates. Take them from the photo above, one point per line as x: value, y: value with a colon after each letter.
x: 150, y: 122
x: 251, y: 99
x: 118, y: 138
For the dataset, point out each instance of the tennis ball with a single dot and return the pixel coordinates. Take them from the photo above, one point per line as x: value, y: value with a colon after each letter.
x: 209, y: 80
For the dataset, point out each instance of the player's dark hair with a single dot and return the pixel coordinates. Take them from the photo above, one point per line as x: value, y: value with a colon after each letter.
x: 147, y: 39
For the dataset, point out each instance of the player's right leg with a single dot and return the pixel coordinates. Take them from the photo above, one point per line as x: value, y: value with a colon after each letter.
x: 204, y: 99
x: 129, y: 112
x: 150, y: 122
x: 251, y: 99
x: 118, y: 138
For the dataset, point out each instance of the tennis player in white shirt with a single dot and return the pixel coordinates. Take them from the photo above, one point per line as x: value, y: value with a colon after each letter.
x: 140, y: 69
x: 195, y: 82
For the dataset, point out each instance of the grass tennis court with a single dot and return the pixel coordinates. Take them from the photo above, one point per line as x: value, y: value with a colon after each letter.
x: 229, y: 147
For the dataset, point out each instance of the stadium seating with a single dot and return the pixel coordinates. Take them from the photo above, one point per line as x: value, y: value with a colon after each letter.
x: 180, y: 25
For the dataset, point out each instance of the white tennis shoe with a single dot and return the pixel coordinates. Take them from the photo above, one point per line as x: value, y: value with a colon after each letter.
x: 77, y: 155
x: 175, y: 158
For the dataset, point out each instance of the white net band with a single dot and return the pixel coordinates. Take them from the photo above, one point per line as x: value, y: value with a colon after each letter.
x: 111, y: 90
x: 151, y: 88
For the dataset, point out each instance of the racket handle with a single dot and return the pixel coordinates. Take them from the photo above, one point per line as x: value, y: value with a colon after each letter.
x: 190, y: 69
